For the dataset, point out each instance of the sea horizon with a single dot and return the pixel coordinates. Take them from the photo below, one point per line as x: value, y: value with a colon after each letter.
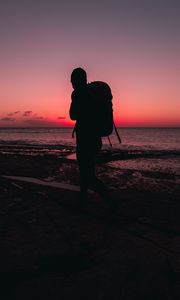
x: 136, y: 127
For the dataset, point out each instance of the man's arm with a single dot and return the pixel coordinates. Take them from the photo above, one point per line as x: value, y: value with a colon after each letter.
x: 73, y: 112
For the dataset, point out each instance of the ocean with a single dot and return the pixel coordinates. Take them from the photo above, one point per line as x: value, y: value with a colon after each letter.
x: 142, y: 138
x: 156, y: 149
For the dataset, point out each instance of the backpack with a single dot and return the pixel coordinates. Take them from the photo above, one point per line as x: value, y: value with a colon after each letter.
x: 100, y: 95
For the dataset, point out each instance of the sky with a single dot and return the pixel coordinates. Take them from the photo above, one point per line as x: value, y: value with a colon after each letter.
x: 133, y: 45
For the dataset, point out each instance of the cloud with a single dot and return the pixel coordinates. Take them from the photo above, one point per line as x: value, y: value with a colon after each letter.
x: 13, y: 113
x: 61, y: 118
x: 37, y: 118
x: 38, y: 122
x: 7, y: 119
x: 29, y: 118
x: 27, y: 113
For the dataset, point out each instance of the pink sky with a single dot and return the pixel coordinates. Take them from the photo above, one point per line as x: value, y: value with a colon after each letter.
x: 136, y: 51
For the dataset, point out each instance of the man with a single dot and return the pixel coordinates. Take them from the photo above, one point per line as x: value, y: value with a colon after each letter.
x: 88, y: 142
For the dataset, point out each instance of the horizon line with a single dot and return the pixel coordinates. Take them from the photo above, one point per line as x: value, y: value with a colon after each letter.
x: 145, y: 126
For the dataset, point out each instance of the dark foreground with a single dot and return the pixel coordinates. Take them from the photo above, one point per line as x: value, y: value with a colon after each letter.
x: 50, y: 249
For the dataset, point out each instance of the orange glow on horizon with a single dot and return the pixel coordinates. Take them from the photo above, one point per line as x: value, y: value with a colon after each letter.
x: 32, y: 119
x: 132, y: 48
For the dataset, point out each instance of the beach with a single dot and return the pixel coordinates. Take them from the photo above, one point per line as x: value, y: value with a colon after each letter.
x: 75, y: 74
x: 52, y: 249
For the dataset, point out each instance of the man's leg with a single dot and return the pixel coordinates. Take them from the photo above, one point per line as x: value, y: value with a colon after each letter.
x: 99, y: 187
x: 84, y: 180
x: 83, y: 190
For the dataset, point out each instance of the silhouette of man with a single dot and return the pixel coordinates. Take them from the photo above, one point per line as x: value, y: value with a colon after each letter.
x: 88, y: 142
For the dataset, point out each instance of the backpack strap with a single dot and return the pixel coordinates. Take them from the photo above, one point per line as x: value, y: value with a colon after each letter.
x: 74, y: 131
x: 109, y: 141
x: 118, y: 136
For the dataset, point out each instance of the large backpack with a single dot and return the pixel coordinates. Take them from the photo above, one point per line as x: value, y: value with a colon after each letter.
x: 100, y: 94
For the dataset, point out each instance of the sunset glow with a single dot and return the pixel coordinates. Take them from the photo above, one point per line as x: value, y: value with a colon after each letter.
x: 132, y: 45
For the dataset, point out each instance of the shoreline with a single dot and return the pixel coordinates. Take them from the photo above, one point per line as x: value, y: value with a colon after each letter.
x: 51, y: 249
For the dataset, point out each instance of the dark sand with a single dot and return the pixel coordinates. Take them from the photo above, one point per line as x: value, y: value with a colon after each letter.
x: 52, y: 250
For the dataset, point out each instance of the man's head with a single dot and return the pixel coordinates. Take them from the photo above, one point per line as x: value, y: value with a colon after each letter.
x: 78, y: 78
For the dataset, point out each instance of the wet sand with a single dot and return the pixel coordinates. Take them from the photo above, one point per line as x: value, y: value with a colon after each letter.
x: 50, y: 249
